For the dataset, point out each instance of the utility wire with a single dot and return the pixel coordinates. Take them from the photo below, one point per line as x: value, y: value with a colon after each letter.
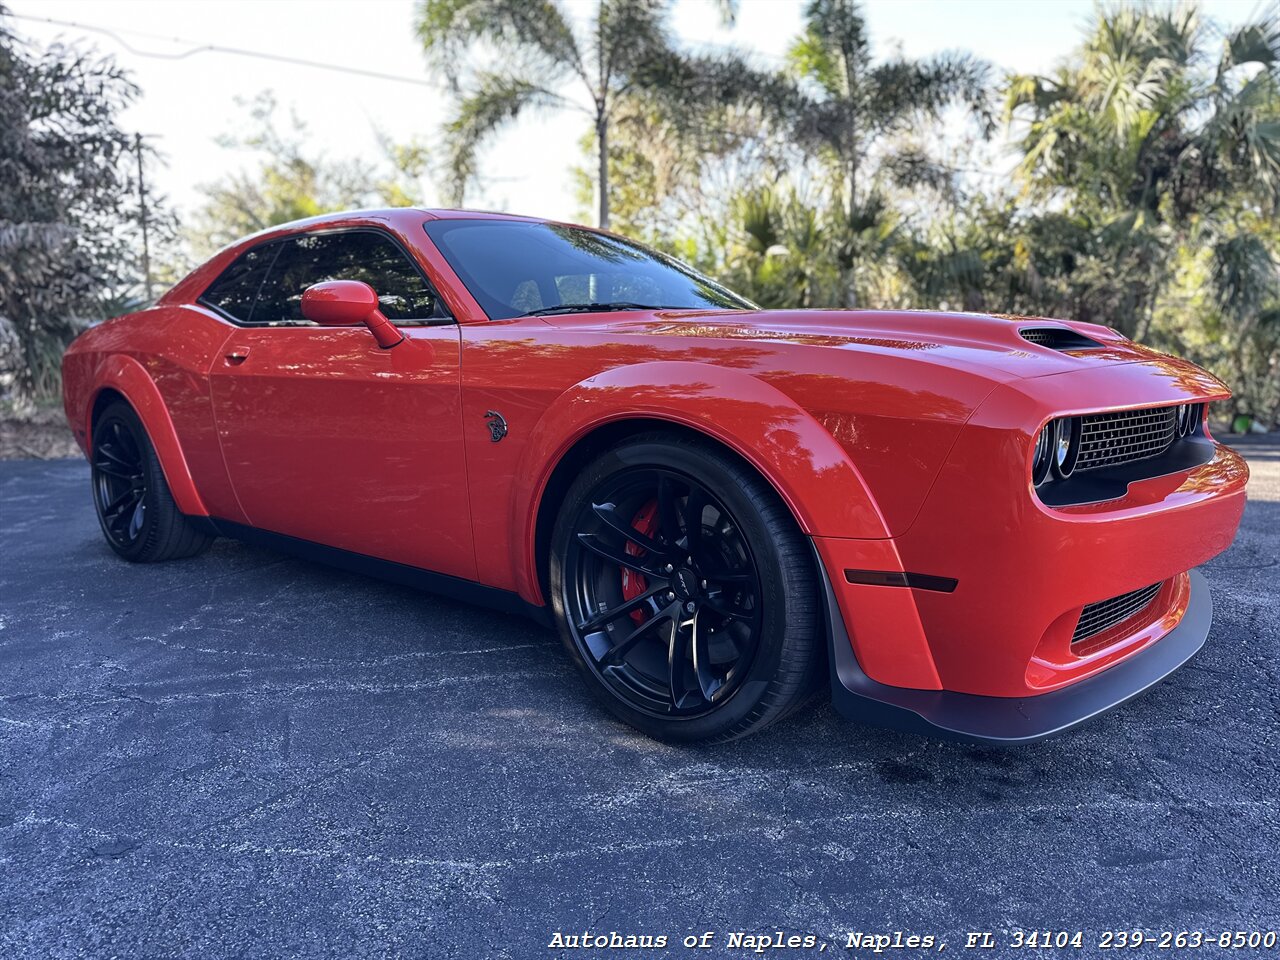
x: 216, y: 48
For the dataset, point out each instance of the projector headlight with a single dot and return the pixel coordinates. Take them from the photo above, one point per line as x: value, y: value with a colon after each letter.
x: 1043, y: 455
x: 1066, y: 450
x: 1186, y: 418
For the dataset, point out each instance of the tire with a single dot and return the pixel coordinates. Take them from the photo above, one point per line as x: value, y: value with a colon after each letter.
x: 727, y: 606
x: 131, y: 496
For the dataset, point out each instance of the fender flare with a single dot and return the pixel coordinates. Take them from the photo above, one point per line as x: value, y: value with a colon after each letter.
x: 793, y: 452
x: 129, y: 378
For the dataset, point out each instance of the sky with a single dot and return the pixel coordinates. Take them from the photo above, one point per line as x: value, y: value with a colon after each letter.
x: 190, y: 98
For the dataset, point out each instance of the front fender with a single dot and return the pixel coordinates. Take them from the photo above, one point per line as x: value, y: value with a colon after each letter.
x: 797, y: 455
x: 129, y: 378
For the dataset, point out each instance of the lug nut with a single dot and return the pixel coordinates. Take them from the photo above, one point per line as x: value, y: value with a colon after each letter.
x: 704, y: 584
x: 671, y: 594
x: 690, y: 607
x: 670, y: 567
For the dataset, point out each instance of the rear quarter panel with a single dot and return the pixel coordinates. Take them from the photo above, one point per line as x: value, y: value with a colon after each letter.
x: 168, y: 350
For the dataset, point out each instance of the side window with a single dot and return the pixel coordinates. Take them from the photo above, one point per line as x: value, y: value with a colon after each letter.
x: 237, y: 286
x: 314, y: 258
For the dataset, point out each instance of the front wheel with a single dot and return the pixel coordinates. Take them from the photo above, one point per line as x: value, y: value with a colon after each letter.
x: 685, y: 591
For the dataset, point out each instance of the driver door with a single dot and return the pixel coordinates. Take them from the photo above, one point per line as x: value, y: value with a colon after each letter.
x: 329, y: 438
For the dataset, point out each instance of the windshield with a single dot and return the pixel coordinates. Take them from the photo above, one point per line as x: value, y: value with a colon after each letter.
x: 517, y: 268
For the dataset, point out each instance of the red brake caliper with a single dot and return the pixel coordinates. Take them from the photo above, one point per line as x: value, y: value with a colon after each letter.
x: 634, y: 584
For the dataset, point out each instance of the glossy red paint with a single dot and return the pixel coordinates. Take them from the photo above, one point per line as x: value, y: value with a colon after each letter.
x: 346, y: 303
x: 900, y: 441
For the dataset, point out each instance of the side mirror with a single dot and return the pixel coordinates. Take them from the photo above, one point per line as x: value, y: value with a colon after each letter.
x: 348, y: 303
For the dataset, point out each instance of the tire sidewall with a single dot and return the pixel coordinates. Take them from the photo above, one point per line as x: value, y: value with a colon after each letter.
x: 725, y: 481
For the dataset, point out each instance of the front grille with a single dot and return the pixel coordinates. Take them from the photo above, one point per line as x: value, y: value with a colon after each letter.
x: 1107, y: 439
x: 1105, y: 614
x: 1057, y: 338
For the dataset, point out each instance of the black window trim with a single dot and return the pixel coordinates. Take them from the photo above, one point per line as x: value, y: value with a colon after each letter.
x: 277, y: 242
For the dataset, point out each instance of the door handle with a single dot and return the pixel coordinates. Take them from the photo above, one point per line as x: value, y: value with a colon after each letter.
x: 237, y: 356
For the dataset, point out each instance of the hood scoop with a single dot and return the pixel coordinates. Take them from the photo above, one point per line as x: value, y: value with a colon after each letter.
x: 1057, y: 338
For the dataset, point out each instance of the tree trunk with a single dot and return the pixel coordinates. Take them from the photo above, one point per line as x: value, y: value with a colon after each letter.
x: 602, y: 180
x: 851, y: 288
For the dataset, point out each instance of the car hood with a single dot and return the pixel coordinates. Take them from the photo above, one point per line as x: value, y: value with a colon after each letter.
x: 990, y: 343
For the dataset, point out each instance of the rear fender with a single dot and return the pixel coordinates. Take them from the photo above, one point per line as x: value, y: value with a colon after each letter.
x: 129, y: 378
x: 794, y: 452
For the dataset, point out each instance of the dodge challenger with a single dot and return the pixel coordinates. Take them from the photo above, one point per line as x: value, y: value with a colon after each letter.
x: 976, y: 526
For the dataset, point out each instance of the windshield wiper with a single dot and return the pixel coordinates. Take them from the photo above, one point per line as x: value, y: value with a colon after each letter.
x: 595, y: 308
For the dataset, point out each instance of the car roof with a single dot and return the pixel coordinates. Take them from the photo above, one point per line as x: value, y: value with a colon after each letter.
x: 344, y: 217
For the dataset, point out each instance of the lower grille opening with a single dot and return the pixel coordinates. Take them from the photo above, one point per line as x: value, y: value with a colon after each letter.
x: 1104, y: 614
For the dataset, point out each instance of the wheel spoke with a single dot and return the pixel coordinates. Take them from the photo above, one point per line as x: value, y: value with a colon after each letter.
x: 623, y: 646
x: 629, y: 606
x: 128, y: 443
x: 119, y: 505
x: 115, y: 469
x: 677, y: 661
x: 708, y: 682
x: 608, y: 513
x: 668, y: 514
x: 135, y: 521
x: 109, y: 451
x: 117, y: 432
x: 722, y: 610
x: 120, y: 519
x: 620, y: 558
x: 728, y: 576
x: 694, y: 506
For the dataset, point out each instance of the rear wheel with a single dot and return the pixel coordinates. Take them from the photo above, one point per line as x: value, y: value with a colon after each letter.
x: 134, y: 505
x: 684, y: 591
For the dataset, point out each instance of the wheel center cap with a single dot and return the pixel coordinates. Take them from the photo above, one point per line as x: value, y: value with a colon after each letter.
x: 685, y: 583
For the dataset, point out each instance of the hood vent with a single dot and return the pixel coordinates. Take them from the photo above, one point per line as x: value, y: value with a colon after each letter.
x: 1057, y: 338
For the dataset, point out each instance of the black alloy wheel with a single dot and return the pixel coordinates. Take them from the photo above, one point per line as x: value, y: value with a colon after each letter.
x: 669, y: 620
x: 685, y: 591
x: 135, y: 507
x: 119, y: 483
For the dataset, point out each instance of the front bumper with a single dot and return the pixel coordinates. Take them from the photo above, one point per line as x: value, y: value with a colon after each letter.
x: 1010, y: 720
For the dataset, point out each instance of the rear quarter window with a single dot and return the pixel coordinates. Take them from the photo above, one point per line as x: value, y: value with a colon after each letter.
x: 236, y: 288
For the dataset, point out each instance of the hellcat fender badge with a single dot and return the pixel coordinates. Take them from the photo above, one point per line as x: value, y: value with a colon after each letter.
x: 497, y: 425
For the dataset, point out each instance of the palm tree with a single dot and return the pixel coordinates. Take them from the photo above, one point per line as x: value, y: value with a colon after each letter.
x: 626, y: 49
x: 1135, y: 122
x: 1152, y: 150
x: 847, y: 109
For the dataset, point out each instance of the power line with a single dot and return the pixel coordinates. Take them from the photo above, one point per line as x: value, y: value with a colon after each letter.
x: 216, y: 48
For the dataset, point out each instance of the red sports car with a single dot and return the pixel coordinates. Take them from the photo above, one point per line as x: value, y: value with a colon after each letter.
x: 975, y: 525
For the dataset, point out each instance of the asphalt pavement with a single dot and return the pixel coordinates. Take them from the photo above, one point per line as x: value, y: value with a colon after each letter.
x: 250, y: 755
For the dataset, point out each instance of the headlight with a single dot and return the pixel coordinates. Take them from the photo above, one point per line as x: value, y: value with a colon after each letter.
x: 1067, y: 449
x: 1057, y: 449
x: 1043, y: 456
x: 1189, y: 417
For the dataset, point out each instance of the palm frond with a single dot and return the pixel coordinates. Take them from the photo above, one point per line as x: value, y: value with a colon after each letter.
x: 496, y: 100
x: 900, y: 89
x: 628, y: 35
x: 1244, y: 275
x: 538, y: 30
x: 834, y: 47
x: 1254, y: 43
